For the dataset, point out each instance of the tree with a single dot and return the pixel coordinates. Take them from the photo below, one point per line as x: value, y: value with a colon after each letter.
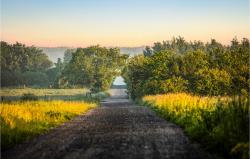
x: 174, y: 66
x: 17, y: 61
x: 94, y: 67
x: 212, y: 82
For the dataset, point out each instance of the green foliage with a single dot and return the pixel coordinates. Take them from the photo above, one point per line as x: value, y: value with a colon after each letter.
x: 174, y: 84
x: 220, y: 125
x: 93, y: 67
x: 241, y: 150
x: 21, y: 65
x: 177, y: 65
x: 35, y: 78
x: 212, y: 82
x: 28, y: 96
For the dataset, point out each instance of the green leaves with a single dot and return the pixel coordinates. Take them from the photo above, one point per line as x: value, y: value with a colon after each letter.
x: 94, y: 67
x: 22, y: 65
x: 174, y: 66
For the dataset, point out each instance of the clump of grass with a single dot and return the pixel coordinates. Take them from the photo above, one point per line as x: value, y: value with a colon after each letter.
x: 22, y: 120
x: 219, y: 124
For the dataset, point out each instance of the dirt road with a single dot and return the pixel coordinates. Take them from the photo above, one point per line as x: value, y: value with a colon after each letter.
x: 117, y: 129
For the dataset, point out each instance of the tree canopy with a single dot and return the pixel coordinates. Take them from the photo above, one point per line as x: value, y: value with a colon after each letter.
x: 21, y: 65
x: 178, y: 66
x: 94, y: 67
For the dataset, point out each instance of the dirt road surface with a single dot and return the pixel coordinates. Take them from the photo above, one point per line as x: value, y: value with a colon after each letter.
x: 117, y: 129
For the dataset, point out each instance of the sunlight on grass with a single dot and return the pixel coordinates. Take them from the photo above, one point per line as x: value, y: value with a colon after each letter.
x: 21, y: 120
x: 220, y: 124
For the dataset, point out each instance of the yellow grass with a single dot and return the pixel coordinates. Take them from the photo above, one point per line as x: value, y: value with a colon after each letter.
x: 180, y: 102
x: 20, y: 120
x: 214, y: 121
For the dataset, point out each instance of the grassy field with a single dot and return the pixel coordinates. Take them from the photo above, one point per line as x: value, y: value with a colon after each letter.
x: 221, y: 125
x: 11, y: 94
x: 41, y: 92
x: 16, y: 94
x: 29, y: 112
x: 25, y: 119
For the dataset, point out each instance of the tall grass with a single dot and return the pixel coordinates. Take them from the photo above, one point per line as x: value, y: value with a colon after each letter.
x: 221, y: 125
x: 22, y: 120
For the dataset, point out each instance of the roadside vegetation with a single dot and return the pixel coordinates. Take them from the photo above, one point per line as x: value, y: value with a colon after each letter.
x: 93, y: 67
x: 22, y: 120
x: 77, y: 94
x: 25, y: 113
x: 220, y: 124
x: 38, y: 95
x: 41, y: 92
x: 202, y: 87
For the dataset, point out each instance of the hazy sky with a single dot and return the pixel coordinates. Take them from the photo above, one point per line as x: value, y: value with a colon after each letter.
x: 121, y: 22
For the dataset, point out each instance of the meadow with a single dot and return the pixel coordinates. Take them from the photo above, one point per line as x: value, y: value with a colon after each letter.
x: 76, y: 94
x: 21, y: 120
x: 221, y: 125
x: 27, y: 112
x: 42, y: 93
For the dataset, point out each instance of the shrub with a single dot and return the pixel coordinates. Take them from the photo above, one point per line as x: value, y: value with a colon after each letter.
x: 28, y: 96
x: 212, y: 82
x: 174, y: 84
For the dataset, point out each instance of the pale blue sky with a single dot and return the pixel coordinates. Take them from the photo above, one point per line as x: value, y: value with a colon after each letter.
x: 121, y: 22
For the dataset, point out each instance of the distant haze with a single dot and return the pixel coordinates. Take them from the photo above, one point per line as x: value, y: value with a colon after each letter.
x: 58, y: 52
x: 119, y: 81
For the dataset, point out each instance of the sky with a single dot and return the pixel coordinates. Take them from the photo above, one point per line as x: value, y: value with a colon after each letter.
x: 127, y: 23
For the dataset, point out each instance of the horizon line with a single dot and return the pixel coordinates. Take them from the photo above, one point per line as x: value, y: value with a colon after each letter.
x: 110, y: 46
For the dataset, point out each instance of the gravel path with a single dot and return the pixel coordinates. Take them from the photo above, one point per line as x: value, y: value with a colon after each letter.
x: 117, y: 129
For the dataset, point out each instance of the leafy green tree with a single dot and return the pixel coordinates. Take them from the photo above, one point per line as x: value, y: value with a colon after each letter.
x: 68, y: 55
x: 176, y: 65
x: 17, y: 61
x: 212, y: 82
x: 174, y: 84
x: 94, y: 67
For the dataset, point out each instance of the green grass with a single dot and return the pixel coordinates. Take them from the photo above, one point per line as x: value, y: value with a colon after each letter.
x: 15, y: 94
x: 29, y: 112
x: 221, y: 125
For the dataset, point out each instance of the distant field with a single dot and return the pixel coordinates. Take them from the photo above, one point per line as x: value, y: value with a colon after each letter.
x: 47, y: 94
x: 41, y: 92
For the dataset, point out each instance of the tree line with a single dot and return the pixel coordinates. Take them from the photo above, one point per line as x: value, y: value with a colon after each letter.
x: 93, y: 67
x: 194, y: 67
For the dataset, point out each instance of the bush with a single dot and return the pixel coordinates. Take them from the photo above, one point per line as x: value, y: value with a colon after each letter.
x: 212, y: 82
x: 35, y: 78
x: 29, y: 96
x: 28, y: 78
x: 174, y: 84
